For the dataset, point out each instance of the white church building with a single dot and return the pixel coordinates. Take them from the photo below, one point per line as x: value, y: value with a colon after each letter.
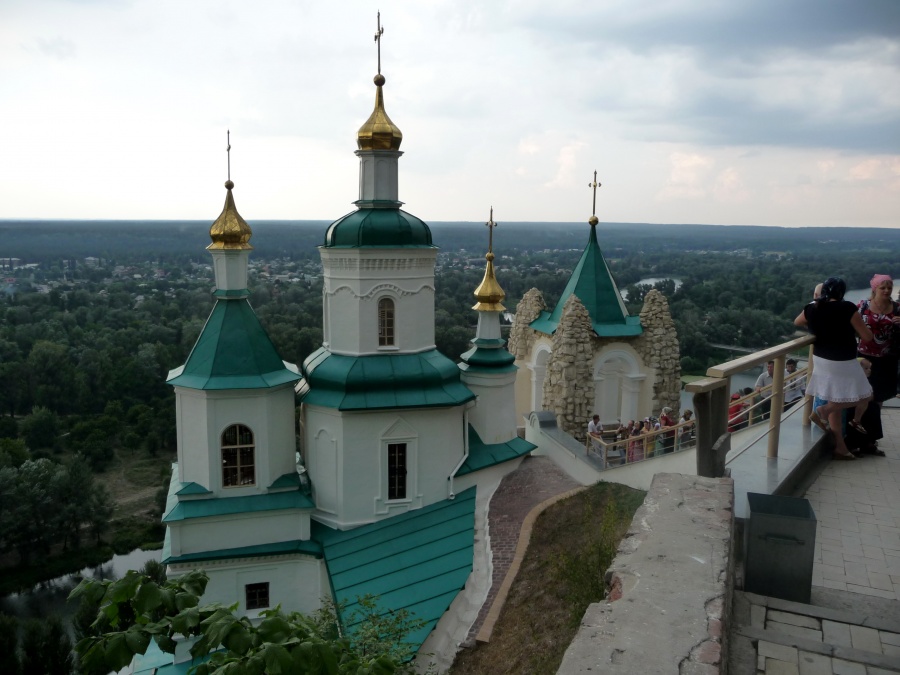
x: 399, y: 447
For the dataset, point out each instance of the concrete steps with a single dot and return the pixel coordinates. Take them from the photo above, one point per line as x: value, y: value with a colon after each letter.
x: 779, y: 637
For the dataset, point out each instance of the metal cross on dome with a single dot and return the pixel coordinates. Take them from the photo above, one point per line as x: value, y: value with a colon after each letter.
x: 228, y: 151
x: 595, y: 185
x: 378, y: 35
x: 490, y: 224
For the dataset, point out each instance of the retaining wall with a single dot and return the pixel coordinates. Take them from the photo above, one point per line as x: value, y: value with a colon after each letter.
x: 669, y: 587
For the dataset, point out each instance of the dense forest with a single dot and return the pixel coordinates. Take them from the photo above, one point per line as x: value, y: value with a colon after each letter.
x: 85, y: 345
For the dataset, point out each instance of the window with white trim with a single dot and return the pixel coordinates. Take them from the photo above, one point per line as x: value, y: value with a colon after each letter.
x: 238, y: 456
x: 385, y: 322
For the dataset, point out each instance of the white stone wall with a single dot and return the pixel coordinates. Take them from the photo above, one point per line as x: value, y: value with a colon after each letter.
x: 202, y: 416
x: 356, y: 279
x: 346, y: 455
x: 200, y: 535
x: 298, y: 583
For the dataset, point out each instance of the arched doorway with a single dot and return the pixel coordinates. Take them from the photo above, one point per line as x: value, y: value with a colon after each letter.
x: 617, y: 386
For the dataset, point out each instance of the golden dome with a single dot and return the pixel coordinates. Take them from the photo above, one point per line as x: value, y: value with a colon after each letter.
x: 230, y: 231
x: 489, y: 294
x: 379, y: 133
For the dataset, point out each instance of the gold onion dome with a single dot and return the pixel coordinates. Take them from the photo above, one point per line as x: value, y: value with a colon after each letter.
x: 230, y: 231
x: 489, y: 294
x: 379, y: 133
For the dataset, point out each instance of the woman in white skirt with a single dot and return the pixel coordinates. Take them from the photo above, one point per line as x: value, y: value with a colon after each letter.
x: 837, y: 376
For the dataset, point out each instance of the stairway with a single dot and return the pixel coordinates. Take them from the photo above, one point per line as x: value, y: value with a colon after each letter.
x: 842, y: 634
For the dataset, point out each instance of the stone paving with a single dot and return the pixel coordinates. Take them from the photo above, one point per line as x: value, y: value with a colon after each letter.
x: 853, y: 625
x: 537, y: 483
x: 857, y: 506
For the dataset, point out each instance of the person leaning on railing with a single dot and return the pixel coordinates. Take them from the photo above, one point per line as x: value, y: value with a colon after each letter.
x: 737, y: 413
x: 795, y: 386
x: 686, y: 430
x: 837, y: 377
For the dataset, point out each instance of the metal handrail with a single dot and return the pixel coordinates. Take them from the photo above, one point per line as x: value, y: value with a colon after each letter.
x: 712, y: 399
x: 647, y: 440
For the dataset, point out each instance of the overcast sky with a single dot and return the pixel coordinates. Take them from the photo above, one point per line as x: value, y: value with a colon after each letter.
x: 768, y: 112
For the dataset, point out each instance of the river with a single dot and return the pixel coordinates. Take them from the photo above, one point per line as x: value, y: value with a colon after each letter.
x: 49, y: 597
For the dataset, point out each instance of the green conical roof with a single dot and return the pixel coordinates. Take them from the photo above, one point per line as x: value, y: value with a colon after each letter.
x: 592, y: 283
x: 233, y: 352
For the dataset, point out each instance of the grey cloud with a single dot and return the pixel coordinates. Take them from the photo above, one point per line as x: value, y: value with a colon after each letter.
x: 730, y: 29
x: 712, y: 120
x: 838, y: 54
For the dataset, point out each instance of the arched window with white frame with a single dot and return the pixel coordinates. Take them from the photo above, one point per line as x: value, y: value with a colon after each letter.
x: 386, y: 322
x: 238, y: 457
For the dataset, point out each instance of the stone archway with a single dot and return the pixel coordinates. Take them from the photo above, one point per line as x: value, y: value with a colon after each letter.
x: 617, y: 386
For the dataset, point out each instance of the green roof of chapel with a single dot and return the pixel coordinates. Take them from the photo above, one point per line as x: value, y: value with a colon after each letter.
x: 417, y: 561
x: 382, y: 381
x: 233, y: 352
x: 482, y: 455
x: 381, y: 227
x: 593, y: 284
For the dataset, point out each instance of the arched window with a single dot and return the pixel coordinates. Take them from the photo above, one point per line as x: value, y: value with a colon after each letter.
x: 385, y: 322
x: 238, y: 456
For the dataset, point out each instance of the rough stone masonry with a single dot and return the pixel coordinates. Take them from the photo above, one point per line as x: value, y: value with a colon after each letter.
x: 669, y: 587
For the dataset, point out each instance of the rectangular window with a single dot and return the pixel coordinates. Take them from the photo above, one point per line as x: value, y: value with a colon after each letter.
x: 257, y: 595
x: 396, y: 471
x: 385, y: 322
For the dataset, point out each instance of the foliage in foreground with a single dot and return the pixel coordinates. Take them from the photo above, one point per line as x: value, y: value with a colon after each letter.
x: 136, y: 609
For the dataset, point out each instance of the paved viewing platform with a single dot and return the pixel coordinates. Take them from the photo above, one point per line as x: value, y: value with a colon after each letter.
x: 852, y: 624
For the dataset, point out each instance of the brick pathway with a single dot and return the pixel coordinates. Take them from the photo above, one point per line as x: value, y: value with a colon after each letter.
x: 537, y: 481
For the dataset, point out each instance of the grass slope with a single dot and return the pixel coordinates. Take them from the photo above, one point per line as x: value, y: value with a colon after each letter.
x: 572, y: 545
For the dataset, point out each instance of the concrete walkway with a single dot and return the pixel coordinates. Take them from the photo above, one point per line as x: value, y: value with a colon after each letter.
x: 852, y: 626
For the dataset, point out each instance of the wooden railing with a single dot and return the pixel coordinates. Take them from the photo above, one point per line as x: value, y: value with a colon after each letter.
x: 712, y: 399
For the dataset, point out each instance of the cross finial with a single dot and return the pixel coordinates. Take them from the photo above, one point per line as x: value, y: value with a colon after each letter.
x: 594, y: 185
x: 490, y: 224
x: 228, y: 151
x: 378, y: 34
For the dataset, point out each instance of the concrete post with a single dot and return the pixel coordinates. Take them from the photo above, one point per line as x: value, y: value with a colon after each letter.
x: 711, y: 408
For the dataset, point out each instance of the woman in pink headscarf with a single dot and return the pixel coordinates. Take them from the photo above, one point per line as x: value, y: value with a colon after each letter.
x: 882, y: 315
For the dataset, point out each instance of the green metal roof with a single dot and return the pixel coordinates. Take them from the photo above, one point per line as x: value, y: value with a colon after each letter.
x: 380, y: 228
x: 192, y: 489
x: 488, y: 358
x: 233, y: 352
x: 416, y: 561
x: 482, y: 455
x: 382, y: 381
x: 288, y: 480
x: 223, y: 506
x: 592, y: 283
x: 277, y: 548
